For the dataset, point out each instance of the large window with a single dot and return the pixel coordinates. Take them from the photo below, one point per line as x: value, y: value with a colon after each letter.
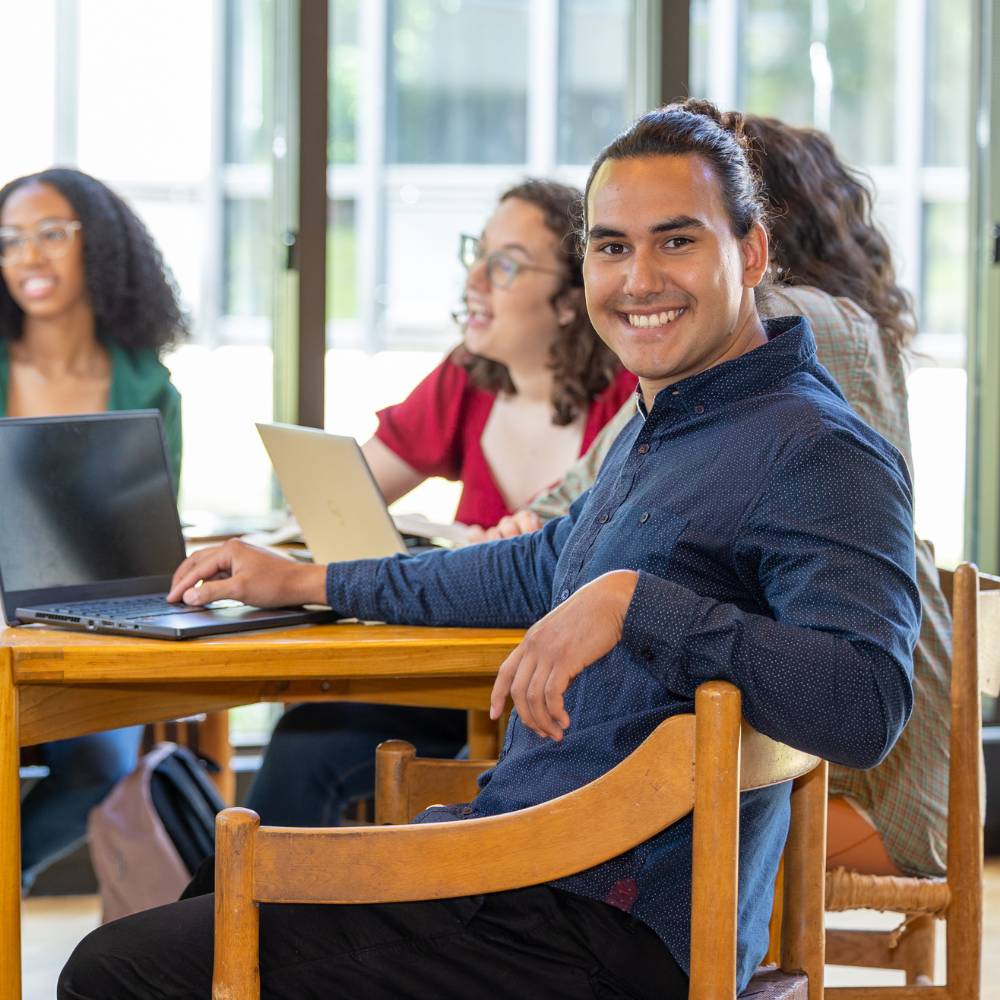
x: 890, y: 82
x: 435, y: 107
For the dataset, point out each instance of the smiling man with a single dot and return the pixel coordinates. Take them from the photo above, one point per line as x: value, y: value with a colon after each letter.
x: 745, y: 526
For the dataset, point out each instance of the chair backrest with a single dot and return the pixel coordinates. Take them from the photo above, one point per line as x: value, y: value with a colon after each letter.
x: 698, y: 762
x: 975, y: 606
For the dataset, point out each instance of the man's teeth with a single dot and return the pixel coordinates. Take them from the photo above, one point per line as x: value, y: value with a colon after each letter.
x: 656, y: 319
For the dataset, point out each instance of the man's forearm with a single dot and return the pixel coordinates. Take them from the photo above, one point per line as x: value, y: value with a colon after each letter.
x: 496, y: 584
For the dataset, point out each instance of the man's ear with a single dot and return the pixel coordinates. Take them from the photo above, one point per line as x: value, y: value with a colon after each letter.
x: 754, y: 249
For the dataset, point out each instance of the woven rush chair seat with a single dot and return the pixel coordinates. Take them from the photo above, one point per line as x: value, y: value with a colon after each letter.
x: 849, y: 890
x: 769, y: 983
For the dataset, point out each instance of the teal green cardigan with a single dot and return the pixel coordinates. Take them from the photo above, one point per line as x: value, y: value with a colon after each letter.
x: 138, y: 382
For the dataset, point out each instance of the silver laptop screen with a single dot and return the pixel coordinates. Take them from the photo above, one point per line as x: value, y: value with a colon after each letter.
x: 85, y: 500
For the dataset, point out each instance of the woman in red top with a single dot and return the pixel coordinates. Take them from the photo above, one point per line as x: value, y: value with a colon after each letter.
x: 506, y: 413
x: 514, y: 406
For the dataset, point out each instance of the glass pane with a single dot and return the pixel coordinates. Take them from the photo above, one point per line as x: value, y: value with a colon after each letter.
x: 345, y: 70
x: 949, y: 44
x: 144, y: 107
x: 943, y: 284
x: 820, y: 64
x: 775, y: 78
x: 249, y: 81
x: 595, y: 68
x: 701, y: 29
x: 248, y: 259
x: 424, y: 280
x: 341, y: 262
x: 457, y: 81
x: 860, y: 46
x: 27, y: 124
x: 225, y: 390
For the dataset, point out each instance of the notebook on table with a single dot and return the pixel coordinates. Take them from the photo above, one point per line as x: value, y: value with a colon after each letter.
x: 90, y: 536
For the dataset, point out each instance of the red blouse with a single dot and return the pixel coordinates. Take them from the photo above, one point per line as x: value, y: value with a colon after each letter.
x: 438, y: 430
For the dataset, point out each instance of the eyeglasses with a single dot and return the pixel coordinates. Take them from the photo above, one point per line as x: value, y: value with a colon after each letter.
x: 51, y: 238
x: 501, y: 268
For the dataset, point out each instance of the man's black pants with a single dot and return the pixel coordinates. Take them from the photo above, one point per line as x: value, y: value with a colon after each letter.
x: 526, y: 944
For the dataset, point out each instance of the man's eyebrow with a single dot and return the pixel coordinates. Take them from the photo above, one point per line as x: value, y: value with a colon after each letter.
x: 677, y: 222
x: 666, y: 226
x: 603, y: 233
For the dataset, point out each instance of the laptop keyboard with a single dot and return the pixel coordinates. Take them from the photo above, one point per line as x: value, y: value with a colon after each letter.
x: 123, y: 608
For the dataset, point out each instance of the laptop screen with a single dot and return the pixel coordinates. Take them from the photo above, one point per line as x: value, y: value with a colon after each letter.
x: 84, y: 500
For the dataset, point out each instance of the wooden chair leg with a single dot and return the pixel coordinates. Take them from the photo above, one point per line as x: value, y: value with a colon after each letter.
x: 714, y: 848
x: 916, y: 948
x: 803, y: 939
x: 773, y: 956
x: 214, y: 743
x: 237, y: 925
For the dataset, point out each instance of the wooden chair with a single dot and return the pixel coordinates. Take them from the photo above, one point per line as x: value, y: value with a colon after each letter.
x: 957, y: 899
x: 690, y: 762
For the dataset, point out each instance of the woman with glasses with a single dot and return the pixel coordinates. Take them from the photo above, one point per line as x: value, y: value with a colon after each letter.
x: 506, y: 413
x: 531, y: 384
x: 86, y: 308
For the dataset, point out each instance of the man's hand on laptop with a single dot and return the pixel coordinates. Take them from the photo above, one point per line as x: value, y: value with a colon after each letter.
x: 559, y: 646
x: 242, y: 572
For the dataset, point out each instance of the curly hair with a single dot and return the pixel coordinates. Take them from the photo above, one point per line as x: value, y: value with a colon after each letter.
x: 583, y: 366
x: 822, y: 230
x: 132, y: 292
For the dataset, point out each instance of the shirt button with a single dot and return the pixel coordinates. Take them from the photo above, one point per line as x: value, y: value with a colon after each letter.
x: 564, y: 594
x: 642, y: 449
x: 647, y: 652
x: 604, y: 518
x: 644, y: 517
x: 699, y: 409
x: 465, y: 811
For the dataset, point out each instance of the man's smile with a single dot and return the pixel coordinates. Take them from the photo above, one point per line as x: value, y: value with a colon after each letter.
x: 653, y: 319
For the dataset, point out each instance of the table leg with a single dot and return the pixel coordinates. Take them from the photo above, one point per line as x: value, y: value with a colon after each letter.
x: 213, y: 741
x: 10, y: 836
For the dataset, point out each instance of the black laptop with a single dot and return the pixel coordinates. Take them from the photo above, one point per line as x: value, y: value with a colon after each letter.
x: 89, y: 532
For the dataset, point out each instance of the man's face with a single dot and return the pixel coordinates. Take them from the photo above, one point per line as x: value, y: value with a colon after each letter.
x: 669, y: 286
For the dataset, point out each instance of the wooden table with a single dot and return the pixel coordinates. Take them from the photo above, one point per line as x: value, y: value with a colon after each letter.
x: 56, y: 684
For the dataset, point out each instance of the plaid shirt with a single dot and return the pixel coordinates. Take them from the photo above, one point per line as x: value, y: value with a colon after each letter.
x: 907, y: 794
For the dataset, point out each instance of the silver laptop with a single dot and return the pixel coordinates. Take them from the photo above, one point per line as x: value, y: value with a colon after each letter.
x: 332, y: 493
x: 89, y: 532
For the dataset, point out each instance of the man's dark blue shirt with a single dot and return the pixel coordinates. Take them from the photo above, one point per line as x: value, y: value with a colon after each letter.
x: 772, y: 531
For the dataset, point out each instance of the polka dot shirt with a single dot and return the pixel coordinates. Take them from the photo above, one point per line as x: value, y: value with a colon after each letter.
x: 772, y: 533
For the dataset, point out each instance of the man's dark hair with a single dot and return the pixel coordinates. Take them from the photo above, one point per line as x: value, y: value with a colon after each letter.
x: 583, y: 365
x: 823, y: 233
x: 698, y: 128
x: 132, y: 292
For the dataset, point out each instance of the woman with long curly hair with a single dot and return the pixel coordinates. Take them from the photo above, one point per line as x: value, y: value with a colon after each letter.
x: 531, y: 384
x: 86, y: 307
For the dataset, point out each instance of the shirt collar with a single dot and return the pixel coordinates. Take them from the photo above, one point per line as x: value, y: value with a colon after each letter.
x: 790, y: 347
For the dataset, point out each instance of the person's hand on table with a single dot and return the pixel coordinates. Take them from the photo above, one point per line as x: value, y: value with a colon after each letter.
x: 243, y: 572
x: 521, y: 522
x: 558, y: 647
